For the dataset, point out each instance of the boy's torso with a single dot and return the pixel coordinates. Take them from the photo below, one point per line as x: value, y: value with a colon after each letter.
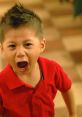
x: 22, y: 100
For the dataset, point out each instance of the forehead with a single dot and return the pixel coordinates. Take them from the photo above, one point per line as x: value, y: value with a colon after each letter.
x: 19, y: 32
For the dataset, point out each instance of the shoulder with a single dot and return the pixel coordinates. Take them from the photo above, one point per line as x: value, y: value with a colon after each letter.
x: 55, y: 71
x: 4, y: 73
x: 46, y: 61
x: 49, y: 63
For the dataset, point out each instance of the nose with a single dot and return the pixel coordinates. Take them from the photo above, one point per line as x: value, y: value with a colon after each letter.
x: 20, y: 52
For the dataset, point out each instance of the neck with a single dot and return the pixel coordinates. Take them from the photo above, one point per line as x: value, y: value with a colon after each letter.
x: 35, y: 72
x: 32, y: 78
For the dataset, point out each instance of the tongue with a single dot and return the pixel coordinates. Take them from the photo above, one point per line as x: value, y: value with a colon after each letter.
x: 22, y: 64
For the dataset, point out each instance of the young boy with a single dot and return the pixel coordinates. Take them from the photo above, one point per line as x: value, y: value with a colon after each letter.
x: 29, y: 83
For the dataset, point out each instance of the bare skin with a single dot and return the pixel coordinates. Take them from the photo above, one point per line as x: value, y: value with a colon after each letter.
x: 70, y: 102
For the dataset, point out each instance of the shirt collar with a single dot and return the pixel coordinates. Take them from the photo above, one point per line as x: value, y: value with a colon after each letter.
x: 10, y: 78
x: 13, y: 81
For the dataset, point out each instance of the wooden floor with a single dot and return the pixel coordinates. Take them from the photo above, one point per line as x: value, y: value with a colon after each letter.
x: 63, y: 33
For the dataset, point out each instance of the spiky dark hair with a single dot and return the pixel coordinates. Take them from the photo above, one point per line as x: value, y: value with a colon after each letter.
x: 18, y: 16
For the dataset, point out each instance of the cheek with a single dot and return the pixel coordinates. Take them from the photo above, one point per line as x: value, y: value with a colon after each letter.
x: 7, y: 57
x: 4, y: 60
x: 35, y: 54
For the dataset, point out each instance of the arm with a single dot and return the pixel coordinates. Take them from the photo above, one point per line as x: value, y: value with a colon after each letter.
x: 70, y: 102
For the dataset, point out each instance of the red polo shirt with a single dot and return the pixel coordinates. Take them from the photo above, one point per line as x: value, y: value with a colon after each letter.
x: 18, y: 99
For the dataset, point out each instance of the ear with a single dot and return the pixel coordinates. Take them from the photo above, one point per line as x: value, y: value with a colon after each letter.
x: 43, y: 44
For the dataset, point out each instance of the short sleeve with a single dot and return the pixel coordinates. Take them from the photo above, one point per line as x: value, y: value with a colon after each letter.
x: 63, y: 82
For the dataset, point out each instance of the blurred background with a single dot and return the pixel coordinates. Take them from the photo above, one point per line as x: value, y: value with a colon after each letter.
x: 63, y: 31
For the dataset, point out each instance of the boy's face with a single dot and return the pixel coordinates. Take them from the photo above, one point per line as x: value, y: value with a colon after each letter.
x: 21, y: 49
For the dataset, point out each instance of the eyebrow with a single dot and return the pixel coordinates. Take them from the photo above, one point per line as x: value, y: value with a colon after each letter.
x: 23, y: 41
x: 27, y: 40
x: 11, y: 42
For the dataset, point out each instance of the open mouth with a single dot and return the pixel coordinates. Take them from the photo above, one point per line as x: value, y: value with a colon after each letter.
x: 22, y: 64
